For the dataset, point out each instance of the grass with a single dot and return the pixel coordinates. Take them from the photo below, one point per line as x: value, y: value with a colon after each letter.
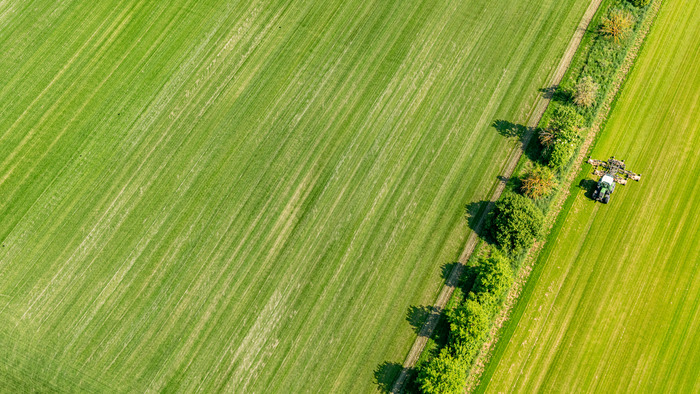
x: 245, y: 197
x: 613, y: 302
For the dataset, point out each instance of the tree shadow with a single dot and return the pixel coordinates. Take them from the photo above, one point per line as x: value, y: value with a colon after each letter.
x: 533, y: 149
x: 548, y: 92
x: 509, y: 129
x: 557, y: 93
x: 588, y: 186
x: 446, y: 269
x: 473, y: 212
x: 386, y: 374
x: 416, y: 316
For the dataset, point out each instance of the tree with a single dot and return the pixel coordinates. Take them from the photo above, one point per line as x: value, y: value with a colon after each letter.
x: 565, y: 126
x: 469, y: 324
x: 444, y: 374
x: 539, y: 182
x: 616, y: 25
x: 515, y: 222
x: 559, y: 154
x: 586, y: 92
x: 640, y: 3
x: 565, y: 120
x: 492, y: 282
x: 546, y: 137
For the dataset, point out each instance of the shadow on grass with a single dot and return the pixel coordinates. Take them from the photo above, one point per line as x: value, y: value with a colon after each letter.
x: 508, y: 129
x: 386, y: 374
x: 548, y: 92
x: 416, y: 316
x: 557, y: 93
x: 473, y: 212
x: 588, y: 186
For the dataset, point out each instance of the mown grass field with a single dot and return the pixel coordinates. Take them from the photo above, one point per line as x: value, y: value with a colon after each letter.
x: 616, y: 307
x: 245, y: 196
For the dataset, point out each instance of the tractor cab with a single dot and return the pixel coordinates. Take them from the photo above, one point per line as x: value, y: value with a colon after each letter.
x: 605, y: 187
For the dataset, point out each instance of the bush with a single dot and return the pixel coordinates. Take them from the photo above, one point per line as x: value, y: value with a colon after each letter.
x: 616, y: 25
x: 493, y: 281
x: 559, y: 155
x: 546, y: 137
x: 515, y: 222
x: 565, y: 121
x: 564, y: 127
x: 469, y: 324
x: 640, y: 3
x: 443, y: 374
x: 539, y: 182
x: 586, y: 92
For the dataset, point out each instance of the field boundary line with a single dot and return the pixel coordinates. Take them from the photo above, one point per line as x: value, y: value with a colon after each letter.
x: 553, y: 217
x: 512, y: 161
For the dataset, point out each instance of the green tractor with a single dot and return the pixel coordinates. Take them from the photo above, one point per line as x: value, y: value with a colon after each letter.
x: 611, y: 172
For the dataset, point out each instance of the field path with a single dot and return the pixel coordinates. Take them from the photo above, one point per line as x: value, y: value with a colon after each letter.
x: 538, y: 110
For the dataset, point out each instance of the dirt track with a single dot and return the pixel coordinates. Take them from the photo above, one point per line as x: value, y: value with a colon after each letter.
x: 514, y: 157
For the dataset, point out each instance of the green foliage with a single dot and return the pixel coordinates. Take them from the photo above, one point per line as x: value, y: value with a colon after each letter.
x: 586, y: 92
x: 469, y: 324
x: 559, y: 155
x: 539, y: 182
x: 564, y: 127
x: 602, y: 60
x: 443, y: 374
x: 565, y: 122
x: 493, y: 281
x: 515, y: 222
x: 640, y: 3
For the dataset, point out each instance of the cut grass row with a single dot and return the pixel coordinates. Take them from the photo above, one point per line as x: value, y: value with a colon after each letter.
x: 244, y: 197
x: 615, y: 305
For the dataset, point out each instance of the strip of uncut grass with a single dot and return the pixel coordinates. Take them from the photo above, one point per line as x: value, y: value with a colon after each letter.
x: 245, y: 196
x: 615, y: 307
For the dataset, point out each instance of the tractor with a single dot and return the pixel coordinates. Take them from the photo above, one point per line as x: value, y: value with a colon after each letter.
x: 611, y: 172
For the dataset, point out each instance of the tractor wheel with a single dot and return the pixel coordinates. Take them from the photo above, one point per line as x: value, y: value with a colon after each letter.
x: 606, y: 199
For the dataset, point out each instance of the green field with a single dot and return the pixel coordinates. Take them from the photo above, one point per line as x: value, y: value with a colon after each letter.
x: 616, y: 307
x: 245, y: 196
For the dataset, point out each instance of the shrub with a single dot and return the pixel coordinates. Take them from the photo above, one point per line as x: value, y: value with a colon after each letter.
x: 564, y: 120
x: 559, y: 154
x: 586, y: 92
x: 546, y: 137
x: 640, y: 3
x: 443, y: 374
x: 469, y: 324
x: 492, y: 282
x: 539, y: 182
x: 565, y: 127
x: 616, y: 25
x: 515, y: 222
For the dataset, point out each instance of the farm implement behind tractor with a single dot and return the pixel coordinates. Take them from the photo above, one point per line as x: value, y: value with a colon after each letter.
x: 611, y: 172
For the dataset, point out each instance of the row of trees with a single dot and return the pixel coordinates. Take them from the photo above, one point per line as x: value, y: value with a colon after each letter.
x: 469, y: 327
x: 516, y: 221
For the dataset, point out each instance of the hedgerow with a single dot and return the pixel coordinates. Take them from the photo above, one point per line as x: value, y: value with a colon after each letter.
x: 560, y: 137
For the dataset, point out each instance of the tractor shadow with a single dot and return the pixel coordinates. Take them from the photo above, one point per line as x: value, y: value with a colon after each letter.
x: 588, y: 186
